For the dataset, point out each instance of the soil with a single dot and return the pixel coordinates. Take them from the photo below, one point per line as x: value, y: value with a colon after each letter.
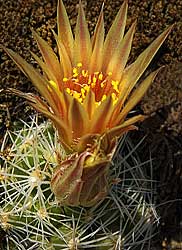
x: 162, y: 103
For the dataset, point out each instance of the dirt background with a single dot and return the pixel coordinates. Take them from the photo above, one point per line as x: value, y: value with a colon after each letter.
x: 162, y: 103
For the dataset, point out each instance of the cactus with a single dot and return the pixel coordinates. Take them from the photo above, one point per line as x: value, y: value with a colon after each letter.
x: 31, y: 218
x: 76, y: 187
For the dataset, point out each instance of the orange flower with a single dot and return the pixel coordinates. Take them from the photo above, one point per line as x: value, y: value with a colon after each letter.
x: 88, y: 91
x: 88, y: 87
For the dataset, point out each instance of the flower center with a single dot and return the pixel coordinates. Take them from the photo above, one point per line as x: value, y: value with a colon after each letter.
x: 81, y: 82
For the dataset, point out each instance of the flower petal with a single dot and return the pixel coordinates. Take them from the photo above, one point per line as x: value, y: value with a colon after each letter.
x: 82, y: 46
x: 97, y: 45
x: 125, y: 126
x: 133, y: 73
x: 136, y: 96
x: 86, y: 141
x: 101, y: 116
x: 115, y: 34
x: 78, y: 119
x: 65, y: 35
x: 49, y: 92
x: 67, y: 98
x: 42, y: 107
x: 89, y: 103
x: 95, y: 185
x: 135, y: 70
x: 45, y: 69
x: 64, y: 58
x: 49, y: 57
x: 120, y: 130
x: 66, y: 181
x: 120, y: 56
x: 40, y: 82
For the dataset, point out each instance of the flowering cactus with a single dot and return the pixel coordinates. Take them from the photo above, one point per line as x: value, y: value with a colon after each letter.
x: 89, y: 91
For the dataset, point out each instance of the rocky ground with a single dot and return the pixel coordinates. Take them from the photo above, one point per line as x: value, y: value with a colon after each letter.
x: 162, y: 103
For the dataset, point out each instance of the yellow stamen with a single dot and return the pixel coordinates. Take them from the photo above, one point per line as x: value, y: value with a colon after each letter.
x: 79, y: 64
x: 89, y: 80
x: 114, y: 98
x: 102, y: 84
x: 87, y: 88
x: 104, y: 97
x: 100, y: 76
x: 94, y: 79
x: 84, y: 73
x: 115, y: 85
x: 83, y: 92
x: 85, y: 81
x: 93, y: 84
x: 76, y: 95
x: 75, y: 72
x: 68, y: 90
x: 65, y: 79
